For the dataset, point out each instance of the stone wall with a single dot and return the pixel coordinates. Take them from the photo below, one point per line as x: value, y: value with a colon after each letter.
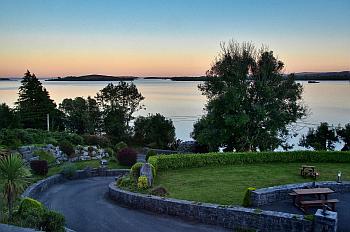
x: 228, y: 217
x: 269, y: 195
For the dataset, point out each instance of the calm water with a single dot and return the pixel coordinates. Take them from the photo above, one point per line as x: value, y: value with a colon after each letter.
x: 183, y: 103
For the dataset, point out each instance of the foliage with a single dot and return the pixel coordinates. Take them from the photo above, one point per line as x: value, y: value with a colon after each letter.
x: 127, y: 156
x: 81, y: 115
x: 44, y: 155
x: 101, y: 141
x: 8, y: 117
x: 321, y: 139
x: 120, y: 146
x: 69, y: 170
x: 39, y: 167
x: 34, y: 103
x: 176, y: 161
x: 159, y: 191
x: 125, y: 181
x: 154, y: 129
x: 115, y: 125
x: 17, y: 137
x: 142, y: 183
x: 246, y: 199
x: 67, y: 148
x: 135, y: 170
x: 150, y: 153
x: 14, y: 173
x: 28, y: 204
x: 344, y: 134
x: 52, y: 221
x: 250, y: 102
x: 110, y: 151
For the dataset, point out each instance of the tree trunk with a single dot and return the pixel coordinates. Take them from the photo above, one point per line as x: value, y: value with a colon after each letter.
x: 9, y: 205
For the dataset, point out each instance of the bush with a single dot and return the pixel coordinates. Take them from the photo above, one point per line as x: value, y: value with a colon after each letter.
x: 246, y: 199
x: 125, y: 181
x: 39, y: 167
x: 29, y: 204
x: 120, y: 146
x: 159, y: 191
x: 150, y: 153
x: 101, y: 141
x: 110, y: 151
x: 142, y: 183
x: 127, y: 156
x: 165, y: 162
x: 52, y: 221
x: 69, y: 170
x: 43, y: 155
x: 135, y: 170
x: 67, y: 148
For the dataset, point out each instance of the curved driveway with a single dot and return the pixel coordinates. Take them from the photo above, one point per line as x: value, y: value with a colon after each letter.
x: 87, y: 208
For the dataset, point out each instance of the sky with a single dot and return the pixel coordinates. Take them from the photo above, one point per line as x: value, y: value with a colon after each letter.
x: 167, y: 38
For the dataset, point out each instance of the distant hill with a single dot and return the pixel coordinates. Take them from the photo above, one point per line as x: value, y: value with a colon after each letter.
x: 94, y: 77
x: 4, y: 79
x: 323, y: 76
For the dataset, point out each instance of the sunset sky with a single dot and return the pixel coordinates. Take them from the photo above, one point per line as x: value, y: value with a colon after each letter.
x: 166, y: 38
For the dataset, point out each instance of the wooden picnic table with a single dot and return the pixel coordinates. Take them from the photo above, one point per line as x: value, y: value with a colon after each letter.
x: 319, y: 192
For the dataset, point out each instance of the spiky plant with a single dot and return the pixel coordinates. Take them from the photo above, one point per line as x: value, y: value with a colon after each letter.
x: 13, y: 174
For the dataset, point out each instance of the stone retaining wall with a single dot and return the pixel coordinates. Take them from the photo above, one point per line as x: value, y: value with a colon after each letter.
x: 228, y: 217
x: 269, y: 195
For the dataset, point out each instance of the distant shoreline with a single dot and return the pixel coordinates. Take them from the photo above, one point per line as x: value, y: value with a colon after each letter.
x: 5, y: 79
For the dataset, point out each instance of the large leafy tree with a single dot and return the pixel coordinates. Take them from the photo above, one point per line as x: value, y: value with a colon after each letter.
x: 8, y: 117
x: 34, y: 103
x: 322, y: 138
x: 14, y: 175
x: 250, y: 102
x: 81, y: 115
x: 344, y: 134
x: 154, y: 130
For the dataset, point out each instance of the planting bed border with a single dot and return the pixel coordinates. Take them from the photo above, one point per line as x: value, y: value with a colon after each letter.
x: 232, y: 217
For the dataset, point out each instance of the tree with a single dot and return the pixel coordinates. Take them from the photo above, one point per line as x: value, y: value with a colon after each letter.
x: 344, y: 134
x: 115, y: 125
x: 14, y: 173
x: 321, y: 139
x: 34, y: 102
x: 250, y: 102
x: 124, y: 97
x: 8, y: 117
x: 81, y: 115
x: 154, y: 130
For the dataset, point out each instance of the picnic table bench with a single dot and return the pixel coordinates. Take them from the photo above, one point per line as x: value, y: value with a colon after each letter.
x: 307, y: 170
x: 299, y: 194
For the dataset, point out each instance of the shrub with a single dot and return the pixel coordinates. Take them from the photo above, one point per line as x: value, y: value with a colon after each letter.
x: 110, y: 151
x: 101, y: 141
x: 246, y: 199
x: 43, y: 155
x: 67, y: 148
x: 165, y: 162
x: 142, y: 183
x: 120, y: 146
x: 29, y: 204
x: 159, y: 191
x: 69, y: 170
x: 52, y: 221
x: 150, y: 153
x: 39, y: 167
x: 135, y: 170
x: 125, y: 181
x: 127, y: 156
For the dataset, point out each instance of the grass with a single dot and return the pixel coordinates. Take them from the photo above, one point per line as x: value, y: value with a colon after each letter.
x: 226, y: 185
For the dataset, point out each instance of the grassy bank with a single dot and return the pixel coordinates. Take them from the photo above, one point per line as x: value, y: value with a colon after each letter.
x: 227, y: 184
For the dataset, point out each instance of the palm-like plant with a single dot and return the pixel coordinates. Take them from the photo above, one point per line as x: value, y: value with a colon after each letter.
x: 13, y: 174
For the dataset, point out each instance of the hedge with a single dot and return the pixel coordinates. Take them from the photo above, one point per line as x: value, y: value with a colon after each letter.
x: 176, y: 161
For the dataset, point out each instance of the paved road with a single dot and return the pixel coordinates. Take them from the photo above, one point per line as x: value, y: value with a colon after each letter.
x: 87, y: 209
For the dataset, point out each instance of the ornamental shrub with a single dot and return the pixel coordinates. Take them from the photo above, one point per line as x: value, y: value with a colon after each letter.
x: 39, y: 167
x: 29, y: 204
x: 52, y: 221
x: 142, y: 183
x: 127, y: 156
x: 176, y: 161
x: 120, y: 146
x: 135, y: 170
x: 44, y: 155
x: 125, y: 181
x: 101, y: 141
x: 67, y: 148
x: 150, y: 153
x: 69, y: 170
x: 110, y: 151
x: 246, y: 200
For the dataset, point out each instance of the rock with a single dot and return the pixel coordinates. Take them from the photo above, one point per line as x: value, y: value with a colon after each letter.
x: 146, y: 170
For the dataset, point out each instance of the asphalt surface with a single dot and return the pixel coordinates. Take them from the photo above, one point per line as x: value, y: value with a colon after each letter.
x: 342, y: 208
x: 86, y: 207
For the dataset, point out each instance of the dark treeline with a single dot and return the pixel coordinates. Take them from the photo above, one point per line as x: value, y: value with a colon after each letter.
x: 108, y: 114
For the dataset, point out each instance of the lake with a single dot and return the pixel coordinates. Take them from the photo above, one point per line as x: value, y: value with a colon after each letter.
x: 327, y: 101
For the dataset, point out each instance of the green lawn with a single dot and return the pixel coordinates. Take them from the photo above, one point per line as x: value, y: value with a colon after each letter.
x: 227, y: 184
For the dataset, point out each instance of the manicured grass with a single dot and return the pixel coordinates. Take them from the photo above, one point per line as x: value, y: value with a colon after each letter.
x: 227, y: 184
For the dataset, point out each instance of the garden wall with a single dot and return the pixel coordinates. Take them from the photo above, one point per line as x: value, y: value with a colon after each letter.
x: 228, y: 217
x: 269, y: 195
